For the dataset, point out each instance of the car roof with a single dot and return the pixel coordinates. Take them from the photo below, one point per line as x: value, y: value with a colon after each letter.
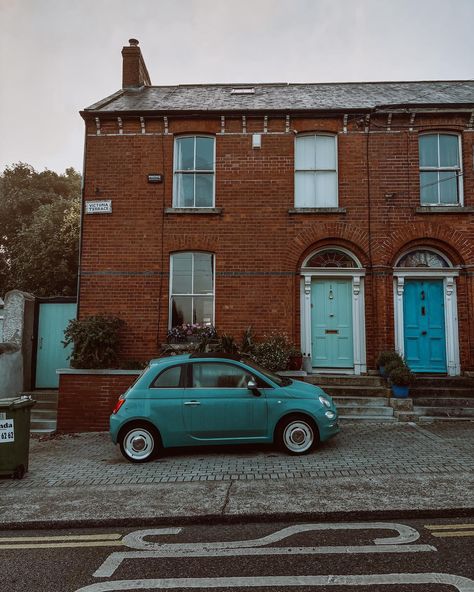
x: 197, y: 356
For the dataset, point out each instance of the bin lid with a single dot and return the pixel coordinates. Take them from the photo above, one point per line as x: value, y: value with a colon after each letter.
x: 16, y: 403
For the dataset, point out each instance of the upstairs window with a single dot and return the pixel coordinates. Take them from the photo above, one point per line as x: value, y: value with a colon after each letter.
x: 440, y: 169
x: 194, y: 172
x: 192, y: 289
x: 316, y: 171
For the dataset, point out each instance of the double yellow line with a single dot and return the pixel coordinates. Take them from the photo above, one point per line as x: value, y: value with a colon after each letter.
x: 61, y: 541
x: 451, y: 530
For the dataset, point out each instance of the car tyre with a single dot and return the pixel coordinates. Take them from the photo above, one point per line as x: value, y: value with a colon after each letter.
x: 139, y: 442
x: 297, y: 435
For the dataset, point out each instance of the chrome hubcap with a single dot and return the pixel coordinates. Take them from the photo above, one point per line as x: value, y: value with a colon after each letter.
x: 298, y: 436
x: 139, y: 444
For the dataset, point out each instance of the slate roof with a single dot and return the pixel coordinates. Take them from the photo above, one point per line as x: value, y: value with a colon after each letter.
x: 289, y: 97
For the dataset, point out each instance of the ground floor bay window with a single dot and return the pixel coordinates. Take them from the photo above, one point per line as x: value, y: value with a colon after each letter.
x: 192, y: 288
x: 332, y: 311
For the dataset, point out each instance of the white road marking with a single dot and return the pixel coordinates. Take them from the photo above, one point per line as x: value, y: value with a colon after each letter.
x: 113, y: 561
x: 61, y: 545
x: 462, y: 584
x: 407, y: 534
x: 66, y: 537
x: 448, y: 526
x: 149, y: 549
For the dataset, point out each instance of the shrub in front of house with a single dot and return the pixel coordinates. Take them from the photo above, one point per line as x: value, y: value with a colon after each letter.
x: 273, y: 352
x: 95, y: 340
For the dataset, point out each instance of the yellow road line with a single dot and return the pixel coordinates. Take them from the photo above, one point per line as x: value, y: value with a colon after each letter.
x: 448, y: 526
x: 461, y: 533
x: 66, y: 537
x: 63, y: 545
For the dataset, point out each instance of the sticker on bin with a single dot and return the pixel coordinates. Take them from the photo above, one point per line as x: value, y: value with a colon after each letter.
x: 7, y: 431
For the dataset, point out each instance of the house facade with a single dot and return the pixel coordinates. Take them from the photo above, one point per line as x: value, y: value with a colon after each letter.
x: 341, y: 214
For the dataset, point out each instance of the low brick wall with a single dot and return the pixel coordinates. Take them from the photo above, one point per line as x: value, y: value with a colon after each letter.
x: 87, y: 397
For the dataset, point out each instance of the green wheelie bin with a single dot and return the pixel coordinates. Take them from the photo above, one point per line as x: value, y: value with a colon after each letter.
x: 15, y: 435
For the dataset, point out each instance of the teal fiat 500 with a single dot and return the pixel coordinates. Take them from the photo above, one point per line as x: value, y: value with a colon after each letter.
x: 209, y: 399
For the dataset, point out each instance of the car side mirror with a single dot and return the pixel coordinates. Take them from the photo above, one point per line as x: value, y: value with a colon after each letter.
x: 252, y: 386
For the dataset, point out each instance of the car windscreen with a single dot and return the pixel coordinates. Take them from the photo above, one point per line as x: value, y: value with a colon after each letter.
x: 279, y: 380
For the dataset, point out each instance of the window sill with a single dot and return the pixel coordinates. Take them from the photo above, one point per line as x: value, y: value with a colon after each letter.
x: 193, y: 210
x: 444, y: 210
x: 317, y: 211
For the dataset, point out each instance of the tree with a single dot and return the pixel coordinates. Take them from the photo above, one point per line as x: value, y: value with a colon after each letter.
x: 39, y: 230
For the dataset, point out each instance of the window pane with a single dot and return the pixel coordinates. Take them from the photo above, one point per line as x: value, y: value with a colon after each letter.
x: 428, y: 145
x: 184, y: 190
x: 325, y: 152
x: 305, y: 190
x: 182, y: 274
x: 215, y: 375
x: 203, y: 273
x: 448, y: 187
x: 326, y: 190
x: 429, y: 188
x: 448, y: 150
x: 305, y: 156
x: 205, y: 154
x: 185, y: 154
x: 204, y: 191
x: 169, y: 378
x: 203, y: 310
x: 181, y: 310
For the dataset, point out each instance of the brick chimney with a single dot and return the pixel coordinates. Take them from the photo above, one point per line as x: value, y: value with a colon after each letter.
x: 134, y: 72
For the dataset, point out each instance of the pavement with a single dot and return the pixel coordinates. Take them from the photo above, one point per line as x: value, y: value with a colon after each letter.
x: 369, y: 470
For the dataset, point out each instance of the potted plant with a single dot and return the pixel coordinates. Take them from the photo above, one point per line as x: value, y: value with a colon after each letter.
x: 385, y: 358
x: 401, y: 378
x: 295, y: 358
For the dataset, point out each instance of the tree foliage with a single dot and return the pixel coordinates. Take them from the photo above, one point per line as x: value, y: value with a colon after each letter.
x: 39, y: 230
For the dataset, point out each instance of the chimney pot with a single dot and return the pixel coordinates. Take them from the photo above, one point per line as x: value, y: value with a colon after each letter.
x: 133, y: 42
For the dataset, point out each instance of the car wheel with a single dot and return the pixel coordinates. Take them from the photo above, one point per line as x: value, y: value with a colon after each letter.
x: 139, y: 442
x: 297, y: 435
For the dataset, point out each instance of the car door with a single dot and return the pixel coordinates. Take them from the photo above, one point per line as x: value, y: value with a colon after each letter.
x: 217, y: 404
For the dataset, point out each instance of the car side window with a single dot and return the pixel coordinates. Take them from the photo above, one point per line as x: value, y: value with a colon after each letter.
x: 217, y: 375
x: 169, y: 378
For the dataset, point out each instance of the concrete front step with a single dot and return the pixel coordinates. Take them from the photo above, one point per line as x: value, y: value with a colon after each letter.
x: 372, y: 411
x: 343, y: 380
x: 361, y: 401
x: 444, y: 402
x: 368, y: 418
x: 355, y: 391
x: 430, y: 419
x: 424, y: 381
x: 44, y: 413
x: 42, y: 425
x: 449, y: 391
x: 467, y: 412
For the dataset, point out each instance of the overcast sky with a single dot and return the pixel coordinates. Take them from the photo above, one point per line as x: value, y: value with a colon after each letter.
x: 59, y: 56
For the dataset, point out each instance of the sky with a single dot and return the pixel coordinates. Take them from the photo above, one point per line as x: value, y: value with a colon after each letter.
x: 59, y: 56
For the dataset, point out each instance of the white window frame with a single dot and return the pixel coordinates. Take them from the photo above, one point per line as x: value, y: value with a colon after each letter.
x: 193, y: 172
x: 458, y: 170
x: 315, y: 171
x: 193, y: 295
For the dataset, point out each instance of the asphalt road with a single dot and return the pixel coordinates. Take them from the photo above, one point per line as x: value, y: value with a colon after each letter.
x: 393, y: 556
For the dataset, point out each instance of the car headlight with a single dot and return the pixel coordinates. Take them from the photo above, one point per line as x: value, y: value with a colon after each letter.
x: 324, y: 401
x: 330, y: 414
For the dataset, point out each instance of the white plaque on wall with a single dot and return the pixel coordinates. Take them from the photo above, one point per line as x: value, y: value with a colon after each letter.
x: 99, y: 207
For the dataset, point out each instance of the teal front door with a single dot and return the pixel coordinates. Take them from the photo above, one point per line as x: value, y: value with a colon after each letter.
x: 424, y: 329
x: 51, y: 354
x: 331, y: 323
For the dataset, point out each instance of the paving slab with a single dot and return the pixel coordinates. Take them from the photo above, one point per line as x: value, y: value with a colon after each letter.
x: 82, y: 479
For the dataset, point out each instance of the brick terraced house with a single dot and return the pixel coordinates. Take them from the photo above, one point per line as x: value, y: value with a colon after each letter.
x: 339, y: 213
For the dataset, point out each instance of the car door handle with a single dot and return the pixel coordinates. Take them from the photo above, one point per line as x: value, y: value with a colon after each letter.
x: 192, y: 403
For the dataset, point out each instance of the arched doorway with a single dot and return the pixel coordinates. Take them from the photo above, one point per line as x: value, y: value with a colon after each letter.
x: 426, y: 323
x: 332, y: 311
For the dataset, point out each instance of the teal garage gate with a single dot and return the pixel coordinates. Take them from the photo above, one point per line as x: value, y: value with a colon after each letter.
x: 52, y: 318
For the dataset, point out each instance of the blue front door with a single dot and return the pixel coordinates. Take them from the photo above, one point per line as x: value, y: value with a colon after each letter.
x: 51, y: 354
x: 331, y: 323
x: 425, y: 336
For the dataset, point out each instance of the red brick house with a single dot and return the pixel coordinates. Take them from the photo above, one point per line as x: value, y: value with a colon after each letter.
x: 339, y: 213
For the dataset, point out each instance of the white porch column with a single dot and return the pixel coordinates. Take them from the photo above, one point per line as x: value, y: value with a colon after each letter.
x: 451, y: 321
x: 358, y: 325
x: 398, y: 307
x: 307, y: 316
